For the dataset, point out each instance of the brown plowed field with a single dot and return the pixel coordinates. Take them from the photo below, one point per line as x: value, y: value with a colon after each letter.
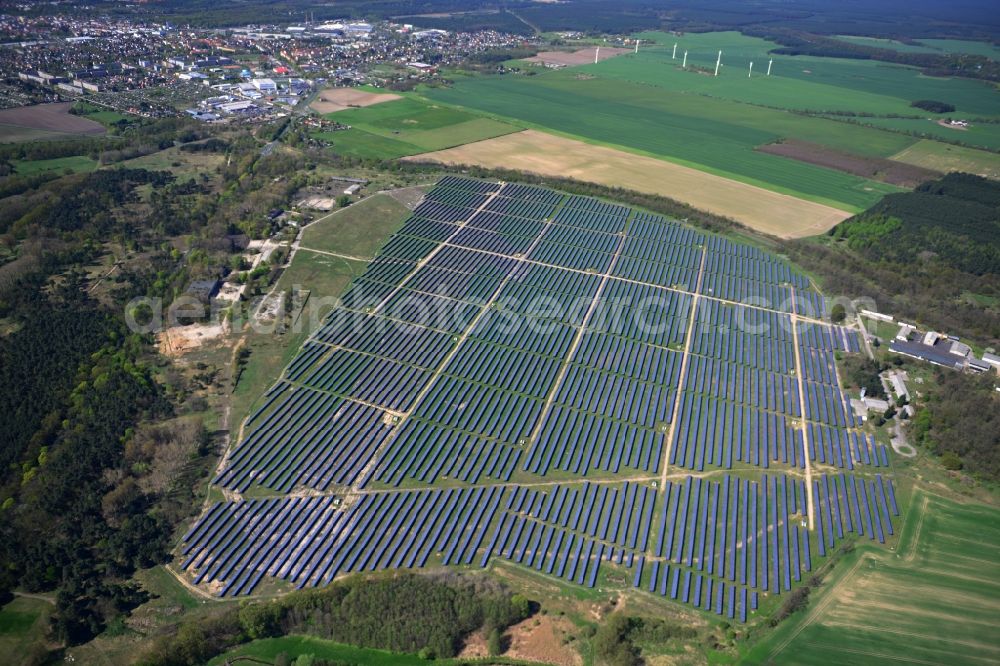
x: 876, y: 168
x: 50, y: 117
x: 581, y: 57
x: 338, y: 99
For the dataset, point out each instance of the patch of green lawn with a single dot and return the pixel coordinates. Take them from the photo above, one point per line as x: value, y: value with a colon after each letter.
x: 359, y: 230
x: 74, y: 163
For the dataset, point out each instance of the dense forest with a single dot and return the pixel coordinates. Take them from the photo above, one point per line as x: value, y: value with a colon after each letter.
x: 103, y: 442
x: 931, y: 255
x: 959, y: 420
x: 431, y: 616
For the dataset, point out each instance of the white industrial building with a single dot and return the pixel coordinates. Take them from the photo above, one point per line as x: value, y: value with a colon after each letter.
x: 265, y: 85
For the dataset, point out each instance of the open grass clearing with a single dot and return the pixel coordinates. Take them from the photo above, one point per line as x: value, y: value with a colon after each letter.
x: 23, y: 625
x: 358, y: 230
x: 976, y: 135
x: 74, y: 163
x: 184, y: 165
x: 946, y: 157
x: 547, y: 154
x: 359, y: 143
x: 964, y: 46
x: 325, y: 277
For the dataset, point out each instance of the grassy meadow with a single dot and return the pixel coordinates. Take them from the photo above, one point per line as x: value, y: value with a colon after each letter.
x: 23, y: 623
x: 944, y: 157
x: 358, y: 230
x: 978, y: 135
x: 75, y: 164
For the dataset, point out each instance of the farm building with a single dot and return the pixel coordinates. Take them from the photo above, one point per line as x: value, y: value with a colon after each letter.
x: 938, y: 353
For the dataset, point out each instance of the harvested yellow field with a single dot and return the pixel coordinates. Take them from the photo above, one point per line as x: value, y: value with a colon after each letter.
x: 946, y: 157
x: 770, y: 212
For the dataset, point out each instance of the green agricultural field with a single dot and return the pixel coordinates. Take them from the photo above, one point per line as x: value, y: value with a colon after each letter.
x: 796, y: 82
x: 648, y: 104
x: 75, y: 163
x: 964, y: 46
x: 946, y: 157
x: 927, y: 45
x: 934, y: 601
x: 358, y: 230
x: 359, y: 143
x: 409, y: 126
x: 712, y: 135
x: 891, y: 44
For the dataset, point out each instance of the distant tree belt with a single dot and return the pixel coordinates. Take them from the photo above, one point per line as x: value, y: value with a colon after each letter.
x: 406, y: 613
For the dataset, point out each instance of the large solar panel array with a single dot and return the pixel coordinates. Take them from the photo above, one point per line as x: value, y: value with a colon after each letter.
x: 509, y: 379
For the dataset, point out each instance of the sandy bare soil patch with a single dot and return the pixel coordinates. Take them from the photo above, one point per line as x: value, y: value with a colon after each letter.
x: 51, y: 117
x: 580, y: 57
x: 408, y: 196
x: 540, y: 638
x: 179, y: 340
x: 876, y: 168
x: 770, y: 212
x: 338, y: 99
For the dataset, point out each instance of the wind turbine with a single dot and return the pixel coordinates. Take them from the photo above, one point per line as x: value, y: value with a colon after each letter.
x: 597, y: 54
x: 750, y: 73
x: 674, y: 56
x: 718, y: 61
x: 685, y: 63
x: 769, y: 63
